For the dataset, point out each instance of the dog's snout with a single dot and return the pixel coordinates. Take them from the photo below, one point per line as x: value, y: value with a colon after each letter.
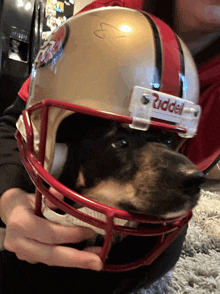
x: 194, y: 177
x: 192, y: 182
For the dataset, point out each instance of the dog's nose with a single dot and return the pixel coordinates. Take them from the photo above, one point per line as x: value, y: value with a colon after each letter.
x: 192, y: 182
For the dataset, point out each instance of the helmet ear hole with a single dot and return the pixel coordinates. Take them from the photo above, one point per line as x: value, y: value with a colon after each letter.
x: 72, y: 128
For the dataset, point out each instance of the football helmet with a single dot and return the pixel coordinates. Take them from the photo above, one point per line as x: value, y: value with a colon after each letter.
x: 117, y: 64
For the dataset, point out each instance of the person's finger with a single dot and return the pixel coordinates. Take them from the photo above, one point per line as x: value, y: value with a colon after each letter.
x: 55, y: 255
x: 55, y: 193
x: 32, y: 261
x: 15, y: 199
x: 45, y: 231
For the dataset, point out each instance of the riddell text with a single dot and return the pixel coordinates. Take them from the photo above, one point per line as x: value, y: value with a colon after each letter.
x: 167, y: 105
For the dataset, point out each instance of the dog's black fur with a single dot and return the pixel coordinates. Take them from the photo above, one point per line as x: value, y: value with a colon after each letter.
x: 128, y: 169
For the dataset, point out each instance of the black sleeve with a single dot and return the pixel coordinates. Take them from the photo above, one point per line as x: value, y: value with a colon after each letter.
x: 12, y: 171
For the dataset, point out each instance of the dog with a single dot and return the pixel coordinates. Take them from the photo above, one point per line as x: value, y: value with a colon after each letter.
x: 136, y: 171
x: 132, y: 170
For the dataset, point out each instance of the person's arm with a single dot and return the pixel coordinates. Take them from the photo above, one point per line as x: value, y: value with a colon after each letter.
x: 12, y: 171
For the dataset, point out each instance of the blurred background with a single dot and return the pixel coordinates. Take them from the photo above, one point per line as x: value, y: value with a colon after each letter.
x: 24, y: 25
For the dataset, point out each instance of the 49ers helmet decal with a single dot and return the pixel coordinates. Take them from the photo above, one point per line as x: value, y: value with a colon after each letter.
x: 118, y: 64
x: 53, y: 47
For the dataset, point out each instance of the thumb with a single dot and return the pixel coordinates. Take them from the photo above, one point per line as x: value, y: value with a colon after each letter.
x: 55, y: 193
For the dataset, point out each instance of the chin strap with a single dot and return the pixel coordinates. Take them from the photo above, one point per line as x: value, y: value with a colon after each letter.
x: 69, y: 220
x: 181, y: 142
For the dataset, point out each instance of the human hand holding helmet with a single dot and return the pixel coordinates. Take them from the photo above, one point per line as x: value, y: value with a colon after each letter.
x: 35, y: 239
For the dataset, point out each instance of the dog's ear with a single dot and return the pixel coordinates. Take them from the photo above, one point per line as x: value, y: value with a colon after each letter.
x: 210, y: 183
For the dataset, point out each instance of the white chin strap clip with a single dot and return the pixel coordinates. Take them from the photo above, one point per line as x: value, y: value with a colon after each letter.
x: 69, y: 220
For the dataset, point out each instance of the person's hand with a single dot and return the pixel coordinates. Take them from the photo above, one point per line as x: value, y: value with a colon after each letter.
x: 35, y: 239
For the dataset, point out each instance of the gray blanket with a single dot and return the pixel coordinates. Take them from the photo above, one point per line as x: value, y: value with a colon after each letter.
x: 198, y: 269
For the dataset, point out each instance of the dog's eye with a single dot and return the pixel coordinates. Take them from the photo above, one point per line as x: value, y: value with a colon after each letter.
x: 120, y: 143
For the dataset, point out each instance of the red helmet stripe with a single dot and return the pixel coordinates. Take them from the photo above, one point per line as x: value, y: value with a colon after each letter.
x: 171, y: 64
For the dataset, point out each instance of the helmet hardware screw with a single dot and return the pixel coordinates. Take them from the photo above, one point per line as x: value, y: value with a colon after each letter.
x: 145, y: 99
x: 196, y: 113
